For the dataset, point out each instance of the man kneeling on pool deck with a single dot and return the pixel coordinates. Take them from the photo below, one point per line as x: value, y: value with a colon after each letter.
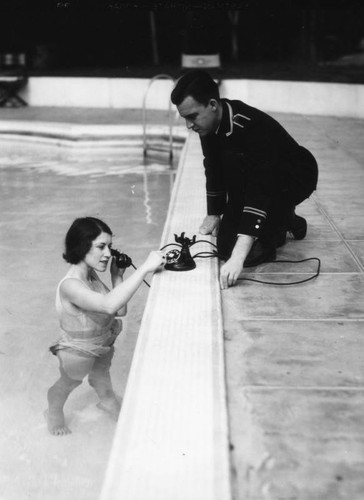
x: 256, y: 174
x: 87, y: 310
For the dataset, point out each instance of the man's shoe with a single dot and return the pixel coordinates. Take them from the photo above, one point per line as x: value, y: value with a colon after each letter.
x: 259, y: 254
x: 299, y: 228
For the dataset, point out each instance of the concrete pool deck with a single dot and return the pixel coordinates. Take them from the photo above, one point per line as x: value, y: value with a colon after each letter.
x: 294, y: 354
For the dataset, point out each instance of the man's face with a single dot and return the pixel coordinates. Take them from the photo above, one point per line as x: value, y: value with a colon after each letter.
x: 201, y: 119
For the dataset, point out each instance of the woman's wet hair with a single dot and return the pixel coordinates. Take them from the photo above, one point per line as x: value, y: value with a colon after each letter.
x: 80, y: 236
x: 198, y: 84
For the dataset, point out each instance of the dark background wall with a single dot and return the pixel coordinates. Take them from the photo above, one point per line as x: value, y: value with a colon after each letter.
x: 106, y: 35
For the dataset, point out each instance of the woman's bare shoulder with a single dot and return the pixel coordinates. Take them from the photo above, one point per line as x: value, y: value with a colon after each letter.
x: 71, y: 284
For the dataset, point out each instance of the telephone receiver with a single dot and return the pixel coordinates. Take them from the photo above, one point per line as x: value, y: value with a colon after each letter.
x: 121, y: 259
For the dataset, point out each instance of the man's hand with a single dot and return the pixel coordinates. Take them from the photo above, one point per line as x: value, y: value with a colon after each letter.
x: 230, y: 271
x: 210, y: 225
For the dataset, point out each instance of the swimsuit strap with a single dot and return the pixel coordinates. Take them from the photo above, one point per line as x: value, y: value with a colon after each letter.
x: 70, y: 278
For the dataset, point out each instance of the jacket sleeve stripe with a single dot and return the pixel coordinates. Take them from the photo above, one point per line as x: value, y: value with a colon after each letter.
x: 255, y: 211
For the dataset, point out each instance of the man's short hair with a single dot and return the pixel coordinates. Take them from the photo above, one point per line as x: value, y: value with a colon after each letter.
x: 198, y: 84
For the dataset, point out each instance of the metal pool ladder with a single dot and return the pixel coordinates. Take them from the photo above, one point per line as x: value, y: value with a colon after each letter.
x: 146, y: 145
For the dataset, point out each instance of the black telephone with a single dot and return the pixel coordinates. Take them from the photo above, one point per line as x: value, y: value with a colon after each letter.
x: 121, y: 259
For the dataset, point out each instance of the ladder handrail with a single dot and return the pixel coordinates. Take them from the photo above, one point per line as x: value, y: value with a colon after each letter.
x: 144, y: 113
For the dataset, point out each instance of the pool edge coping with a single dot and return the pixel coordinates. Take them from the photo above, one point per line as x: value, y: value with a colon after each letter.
x: 209, y: 477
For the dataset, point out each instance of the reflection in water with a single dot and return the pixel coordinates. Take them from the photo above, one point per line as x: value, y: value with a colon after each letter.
x: 148, y: 209
x: 148, y: 166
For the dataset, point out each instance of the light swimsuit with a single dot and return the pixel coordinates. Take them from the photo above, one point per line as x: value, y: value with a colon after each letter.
x: 87, y: 333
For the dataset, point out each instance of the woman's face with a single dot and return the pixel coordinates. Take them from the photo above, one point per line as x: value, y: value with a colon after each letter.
x: 99, y: 254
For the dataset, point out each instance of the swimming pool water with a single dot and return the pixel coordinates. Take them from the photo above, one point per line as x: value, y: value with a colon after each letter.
x: 42, y: 190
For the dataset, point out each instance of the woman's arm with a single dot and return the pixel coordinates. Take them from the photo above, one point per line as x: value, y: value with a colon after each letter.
x: 81, y: 296
x: 117, y: 277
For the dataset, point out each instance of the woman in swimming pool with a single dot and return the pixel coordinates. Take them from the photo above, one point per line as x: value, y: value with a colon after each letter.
x: 87, y: 310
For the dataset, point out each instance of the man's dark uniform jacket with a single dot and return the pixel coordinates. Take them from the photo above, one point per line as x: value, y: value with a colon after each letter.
x: 256, y: 173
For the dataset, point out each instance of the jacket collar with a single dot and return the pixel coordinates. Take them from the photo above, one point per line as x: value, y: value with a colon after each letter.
x: 226, y: 124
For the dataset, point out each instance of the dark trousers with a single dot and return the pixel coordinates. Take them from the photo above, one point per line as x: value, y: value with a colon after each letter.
x: 299, y: 180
